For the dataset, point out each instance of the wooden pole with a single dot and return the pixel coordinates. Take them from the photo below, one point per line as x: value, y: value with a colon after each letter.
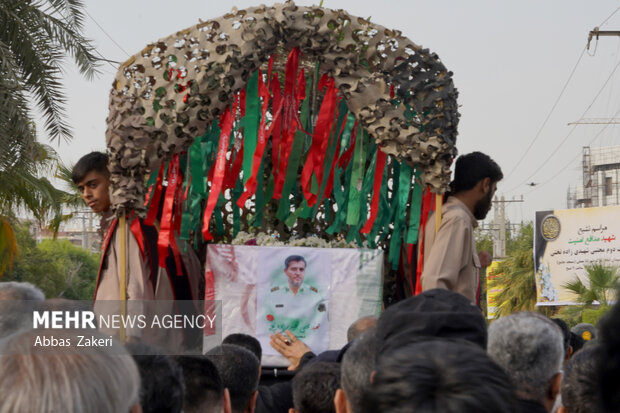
x: 438, y: 203
x: 122, y: 233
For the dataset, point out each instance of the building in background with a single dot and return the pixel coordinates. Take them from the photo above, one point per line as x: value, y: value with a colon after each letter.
x: 81, y: 230
x: 600, y: 177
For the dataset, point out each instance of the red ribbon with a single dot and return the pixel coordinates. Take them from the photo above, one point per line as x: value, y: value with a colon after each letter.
x: 277, y: 126
x: 427, y: 205
x: 104, y: 250
x: 219, y: 172
x: 329, y: 186
x: 376, y: 188
x: 158, y: 189
x: 318, y: 149
x: 289, y: 117
x: 166, y: 233
x: 263, y: 137
x: 234, y: 166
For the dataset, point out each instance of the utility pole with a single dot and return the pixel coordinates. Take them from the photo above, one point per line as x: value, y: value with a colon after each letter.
x: 499, y: 225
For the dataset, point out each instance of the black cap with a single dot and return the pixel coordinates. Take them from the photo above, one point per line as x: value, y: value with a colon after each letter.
x: 436, y: 313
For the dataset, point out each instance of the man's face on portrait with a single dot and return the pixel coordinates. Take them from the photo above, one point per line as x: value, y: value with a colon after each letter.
x: 296, y: 271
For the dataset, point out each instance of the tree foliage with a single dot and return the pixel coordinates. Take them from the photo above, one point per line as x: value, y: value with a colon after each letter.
x: 35, y: 38
x: 517, y: 277
x: 58, y: 267
x: 594, y: 296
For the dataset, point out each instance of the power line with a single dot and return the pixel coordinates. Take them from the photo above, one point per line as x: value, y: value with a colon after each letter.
x: 555, y: 150
x: 548, y: 115
x: 610, y: 16
x: 555, y: 105
x: 572, y: 160
x: 102, y: 58
x: 106, y: 33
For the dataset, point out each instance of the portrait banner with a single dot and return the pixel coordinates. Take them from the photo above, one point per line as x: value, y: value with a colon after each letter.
x: 566, y: 242
x: 316, y: 293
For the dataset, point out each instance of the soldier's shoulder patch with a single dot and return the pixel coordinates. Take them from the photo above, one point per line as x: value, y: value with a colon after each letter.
x: 275, y: 289
x: 314, y: 289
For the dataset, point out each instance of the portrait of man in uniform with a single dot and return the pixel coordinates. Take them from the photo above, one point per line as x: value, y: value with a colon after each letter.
x: 296, y: 301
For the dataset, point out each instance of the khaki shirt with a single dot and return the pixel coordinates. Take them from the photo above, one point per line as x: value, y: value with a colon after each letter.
x: 450, y: 257
x: 142, y: 296
x: 300, y: 313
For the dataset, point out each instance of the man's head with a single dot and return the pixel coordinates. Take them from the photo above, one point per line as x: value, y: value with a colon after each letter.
x: 204, y: 389
x: 295, y: 270
x: 438, y: 376
x: 580, y: 384
x: 477, y: 174
x: 246, y: 341
x: 67, y: 379
x: 238, y: 368
x: 17, y: 302
x: 568, y: 350
x: 360, y: 326
x: 162, y: 379
x: 92, y: 178
x: 314, y: 388
x: 435, y: 313
x: 529, y: 347
x: 357, y: 365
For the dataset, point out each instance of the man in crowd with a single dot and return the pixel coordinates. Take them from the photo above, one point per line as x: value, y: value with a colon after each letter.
x: 145, y: 279
x: 68, y: 379
x: 529, y: 347
x: 450, y: 259
x: 580, y: 382
x: 17, y: 300
x: 238, y: 368
x: 162, y: 379
x: 357, y: 366
x: 314, y: 388
x: 204, y: 389
x: 439, y: 376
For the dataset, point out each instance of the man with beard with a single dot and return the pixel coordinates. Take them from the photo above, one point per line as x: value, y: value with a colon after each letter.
x: 450, y: 257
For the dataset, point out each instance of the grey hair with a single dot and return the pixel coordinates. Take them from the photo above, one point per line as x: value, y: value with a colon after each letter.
x: 529, y: 347
x: 581, y: 383
x: 13, y: 290
x: 65, y: 379
x: 357, y: 365
x: 17, y: 300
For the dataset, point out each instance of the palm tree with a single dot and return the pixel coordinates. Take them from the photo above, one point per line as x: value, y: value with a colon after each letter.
x: 23, y: 187
x: 35, y: 37
x: 517, y: 278
x: 601, y: 287
x: 603, y: 281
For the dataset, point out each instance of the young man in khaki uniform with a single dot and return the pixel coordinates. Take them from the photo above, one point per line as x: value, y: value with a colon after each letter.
x: 145, y: 280
x: 450, y: 257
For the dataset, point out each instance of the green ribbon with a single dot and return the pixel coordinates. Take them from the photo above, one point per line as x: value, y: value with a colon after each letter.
x: 236, y: 193
x: 415, y: 210
x: 404, y: 186
x: 251, y: 122
x: 259, y: 200
x: 357, y: 175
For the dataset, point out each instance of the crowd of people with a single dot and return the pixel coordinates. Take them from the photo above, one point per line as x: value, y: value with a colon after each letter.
x: 429, y: 353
